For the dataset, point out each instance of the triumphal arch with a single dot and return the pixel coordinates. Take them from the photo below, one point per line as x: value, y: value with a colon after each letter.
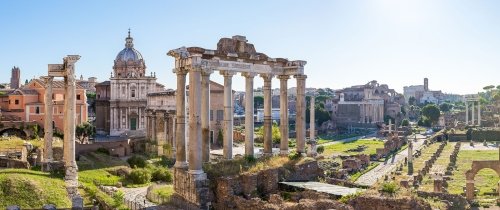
x: 233, y: 56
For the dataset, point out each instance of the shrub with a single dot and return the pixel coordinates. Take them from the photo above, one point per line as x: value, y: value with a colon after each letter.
x: 294, y: 155
x: 103, y: 150
x: 161, y: 174
x: 140, y: 176
x: 389, y: 187
x: 136, y: 162
x: 118, y: 198
x: 167, y: 162
x: 320, y: 149
x: 249, y: 158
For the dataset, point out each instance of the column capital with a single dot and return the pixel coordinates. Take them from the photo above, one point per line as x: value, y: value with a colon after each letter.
x: 227, y: 73
x: 283, y: 77
x: 267, y: 76
x: 47, y: 79
x: 300, y: 76
x: 249, y: 74
x: 206, y: 72
x: 180, y: 71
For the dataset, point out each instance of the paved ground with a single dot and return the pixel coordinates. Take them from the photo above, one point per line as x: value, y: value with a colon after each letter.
x: 323, y: 187
x: 371, y: 177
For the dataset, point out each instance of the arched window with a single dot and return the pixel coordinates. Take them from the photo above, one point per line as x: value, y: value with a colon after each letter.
x: 133, y: 93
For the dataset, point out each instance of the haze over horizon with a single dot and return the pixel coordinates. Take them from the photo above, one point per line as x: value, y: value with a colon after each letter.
x: 453, y: 43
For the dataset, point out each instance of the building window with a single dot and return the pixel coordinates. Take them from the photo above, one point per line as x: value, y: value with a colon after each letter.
x: 133, y: 94
x: 220, y: 115
x: 98, y: 96
x: 9, y: 101
x: 211, y: 115
x: 16, y: 102
x: 37, y: 110
x: 78, y: 97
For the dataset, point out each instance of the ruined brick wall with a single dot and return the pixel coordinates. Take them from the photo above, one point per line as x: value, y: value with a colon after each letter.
x: 383, y: 203
x: 13, y: 163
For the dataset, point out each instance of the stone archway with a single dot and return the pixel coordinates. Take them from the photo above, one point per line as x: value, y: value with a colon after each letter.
x: 476, y: 167
x: 14, y: 131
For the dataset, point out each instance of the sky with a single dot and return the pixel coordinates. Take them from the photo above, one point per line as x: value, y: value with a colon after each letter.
x: 454, y: 43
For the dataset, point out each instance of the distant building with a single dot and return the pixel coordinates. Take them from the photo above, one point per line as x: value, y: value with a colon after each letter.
x: 28, y: 103
x: 15, y: 78
x: 364, y: 105
x: 89, y: 84
x: 422, y: 94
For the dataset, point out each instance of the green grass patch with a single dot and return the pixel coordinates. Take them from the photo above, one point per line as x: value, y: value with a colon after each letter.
x: 31, y: 189
x: 343, y: 148
x: 161, y: 194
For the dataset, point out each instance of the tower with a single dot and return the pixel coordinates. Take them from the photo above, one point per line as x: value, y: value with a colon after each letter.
x: 15, y: 77
x: 426, y: 84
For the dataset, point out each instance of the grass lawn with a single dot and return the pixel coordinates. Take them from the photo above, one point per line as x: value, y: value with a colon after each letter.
x: 31, y: 189
x: 16, y: 142
x: 485, y: 180
x: 342, y: 148
x: 419, y: 163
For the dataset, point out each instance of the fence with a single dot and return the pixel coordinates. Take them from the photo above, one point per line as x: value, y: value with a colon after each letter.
x: 155, y: 197
x: 131, y: 204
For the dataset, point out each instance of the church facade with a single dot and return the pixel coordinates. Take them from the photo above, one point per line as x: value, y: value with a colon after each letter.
x: 128, y: 88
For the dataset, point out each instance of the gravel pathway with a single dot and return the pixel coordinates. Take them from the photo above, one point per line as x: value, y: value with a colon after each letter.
x: 371, y: 177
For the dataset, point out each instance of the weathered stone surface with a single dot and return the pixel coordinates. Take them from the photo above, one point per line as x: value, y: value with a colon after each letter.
x: 383, y: 203
x: 457, y: 201
x: 49, y: 207
x: 13, y: 163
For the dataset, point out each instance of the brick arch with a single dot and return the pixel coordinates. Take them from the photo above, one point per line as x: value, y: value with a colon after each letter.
x: 476, y: 167
x: 14, y: 131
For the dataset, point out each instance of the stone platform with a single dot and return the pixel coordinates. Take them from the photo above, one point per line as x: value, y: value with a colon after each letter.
x: 323, y: 188
x: 191, y: 190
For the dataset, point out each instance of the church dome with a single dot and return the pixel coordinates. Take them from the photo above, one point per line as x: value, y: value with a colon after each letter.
x: 129, y: 62
x: 129, y: 53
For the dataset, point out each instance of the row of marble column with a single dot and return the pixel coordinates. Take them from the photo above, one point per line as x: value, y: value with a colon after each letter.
x: 371, y: 113
x: 199, y: 116
x: 473, y: 122
x: 152, y: 121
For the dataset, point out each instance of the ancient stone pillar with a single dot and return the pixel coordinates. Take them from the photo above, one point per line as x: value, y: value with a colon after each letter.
x: 154, y: 128
x: 466, y: 112
x: 228, y: 114
x: 249, y: 110
x: 469, y: 189
x: 284, y: 113
x: 312, y: 128
x: 205, y: 115
x: 410, y: 156
x: 390, y: 125
x: 180, y: 132
x: 195, y: 141
x: 478, y: 113
x: 69, y: 118
x: 473, y: 122
x: 300, y: 119
x: 268, y: 141
x: 48, y: 125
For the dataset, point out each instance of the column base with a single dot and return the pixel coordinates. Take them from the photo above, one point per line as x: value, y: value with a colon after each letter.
x: 71, y: 172
x: 181, y: 164
x: 284, y: 152
x: 191, y: 189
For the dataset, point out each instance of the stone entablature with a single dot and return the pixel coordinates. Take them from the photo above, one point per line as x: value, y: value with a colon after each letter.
x: 232, y: 56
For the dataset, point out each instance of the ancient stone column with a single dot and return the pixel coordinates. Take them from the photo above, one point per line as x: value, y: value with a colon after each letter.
x: 249, y: 110
x: 69, y: 119
x: 154, y: 127
x: 195, y: 141
x: 473, y: 122
x: 205, y: 115
x: 300, y: 119
x: 228, y: 114
x: 312, y: 128
x: 478, y: 113
x: 410, y: 156
x: 268, y: 141
x: 180, y: 132
x: 284, y: 113
x: 466, y: 112
x: 390, y: 126
x: 469, y: 189
x: 48, y: 125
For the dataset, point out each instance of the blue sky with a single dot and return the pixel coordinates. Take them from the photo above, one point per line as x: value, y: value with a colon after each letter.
x: 453, y: 43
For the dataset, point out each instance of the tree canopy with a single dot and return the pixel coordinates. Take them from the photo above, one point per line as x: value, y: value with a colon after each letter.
x: 431, y: 112
x: 446, y: 107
